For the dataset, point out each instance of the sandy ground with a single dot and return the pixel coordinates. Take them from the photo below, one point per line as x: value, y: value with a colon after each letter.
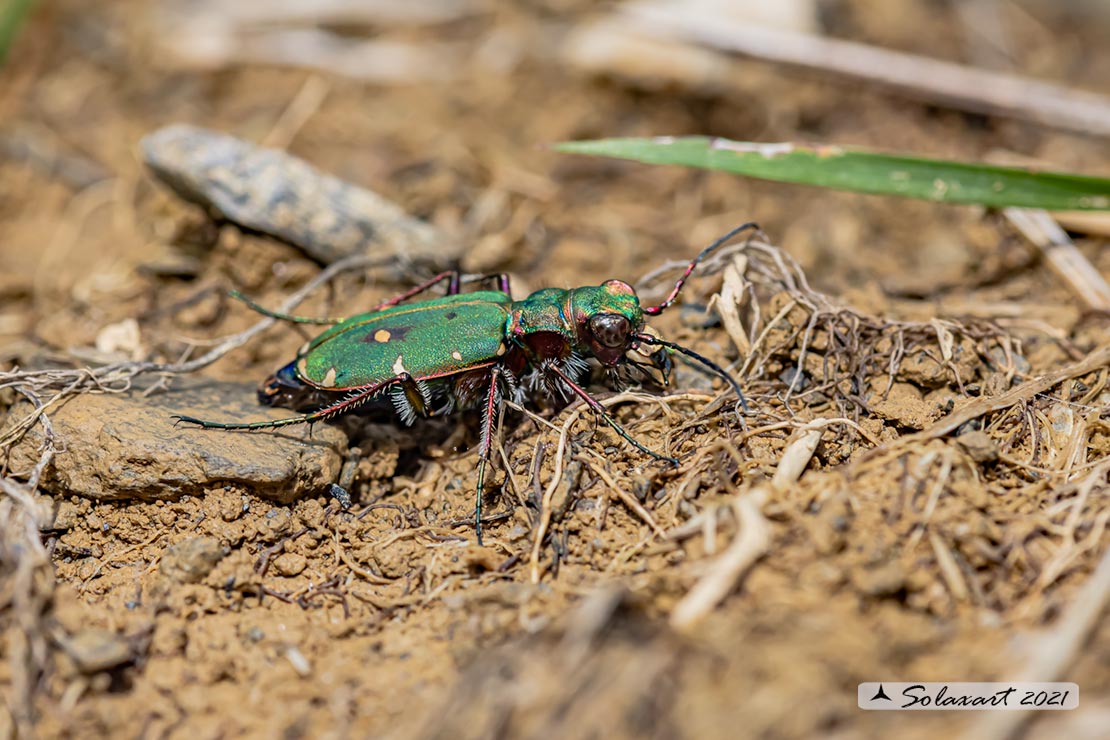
x: 942, y: 522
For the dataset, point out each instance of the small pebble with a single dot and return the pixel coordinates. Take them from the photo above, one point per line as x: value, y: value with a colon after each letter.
x: 189, y: 561
x: 794, y: 378
x: 979, y: 446
x: 298, y: 661
x: 341, y: 495
x: 97, y: 650
x: 886, y: 580
x: 289, y: 564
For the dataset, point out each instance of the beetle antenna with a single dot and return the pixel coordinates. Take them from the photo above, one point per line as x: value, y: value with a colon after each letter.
x: 656, y: 310
x: 717, y: 369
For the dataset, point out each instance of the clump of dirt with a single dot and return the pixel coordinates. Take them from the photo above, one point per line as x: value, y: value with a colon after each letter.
x: 918, y: 490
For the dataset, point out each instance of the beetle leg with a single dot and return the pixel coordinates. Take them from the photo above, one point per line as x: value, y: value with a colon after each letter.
x: 451, y: 276
x: 257, y: 308
x: 501, y: 278
x: 485, y: 445
x: 454, y: 286
x: 357, y: 397
x: 410, y: 400
x: 605, y: 415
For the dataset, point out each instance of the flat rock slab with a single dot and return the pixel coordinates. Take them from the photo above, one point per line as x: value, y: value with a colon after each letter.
x: 125, y: 446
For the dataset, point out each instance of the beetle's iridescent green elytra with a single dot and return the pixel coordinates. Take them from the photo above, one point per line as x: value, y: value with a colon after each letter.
x: 428, y: 339
x: 467, y: 350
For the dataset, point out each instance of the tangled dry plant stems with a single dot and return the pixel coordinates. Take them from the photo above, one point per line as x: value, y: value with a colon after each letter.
x: 26, y: 584
x: 760, y: 280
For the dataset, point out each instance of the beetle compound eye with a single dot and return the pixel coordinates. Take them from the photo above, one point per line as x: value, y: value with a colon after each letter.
x: 610, y: 329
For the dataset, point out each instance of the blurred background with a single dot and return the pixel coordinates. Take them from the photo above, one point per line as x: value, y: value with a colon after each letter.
x: 447, y: 107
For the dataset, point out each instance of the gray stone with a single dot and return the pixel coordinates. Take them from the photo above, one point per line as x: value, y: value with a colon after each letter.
x: 278, y: 194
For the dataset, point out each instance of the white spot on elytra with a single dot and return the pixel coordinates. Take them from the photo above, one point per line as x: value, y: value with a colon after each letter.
x: 399, y: 366
x: 500, y: 350
x: 302, y: 367
x: 329, y: 379
x: 457, y: 355
x: 305, y: 347
x: 381, y: 335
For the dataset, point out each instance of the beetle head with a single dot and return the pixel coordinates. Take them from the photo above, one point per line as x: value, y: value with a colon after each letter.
x: 609, y: 321
x: 606, y: 318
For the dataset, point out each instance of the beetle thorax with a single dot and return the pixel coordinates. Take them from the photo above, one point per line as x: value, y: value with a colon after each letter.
x: 542, y: 326
x: 594, y: 320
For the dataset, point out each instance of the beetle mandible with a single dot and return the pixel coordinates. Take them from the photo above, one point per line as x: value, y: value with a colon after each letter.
x: 466, y: 350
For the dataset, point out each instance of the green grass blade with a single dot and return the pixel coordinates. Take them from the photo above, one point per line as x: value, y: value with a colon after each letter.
x: 865, y: 171
x: 12, y: 15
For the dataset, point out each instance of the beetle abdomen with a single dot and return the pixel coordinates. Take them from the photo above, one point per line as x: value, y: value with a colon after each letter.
x: 284, y: 389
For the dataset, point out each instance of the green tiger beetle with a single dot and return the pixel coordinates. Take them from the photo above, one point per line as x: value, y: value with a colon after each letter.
x: 470, y: 350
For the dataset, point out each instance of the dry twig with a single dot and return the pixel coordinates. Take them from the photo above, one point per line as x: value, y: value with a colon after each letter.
x: 981, y: 406
x: 749, y: 544
x: 921, y: 78
x: 1054, y: 653
x: 753, y: 538
x: 1062, y: 256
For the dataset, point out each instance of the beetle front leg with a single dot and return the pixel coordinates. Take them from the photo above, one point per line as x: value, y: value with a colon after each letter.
x: 598, y: 409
